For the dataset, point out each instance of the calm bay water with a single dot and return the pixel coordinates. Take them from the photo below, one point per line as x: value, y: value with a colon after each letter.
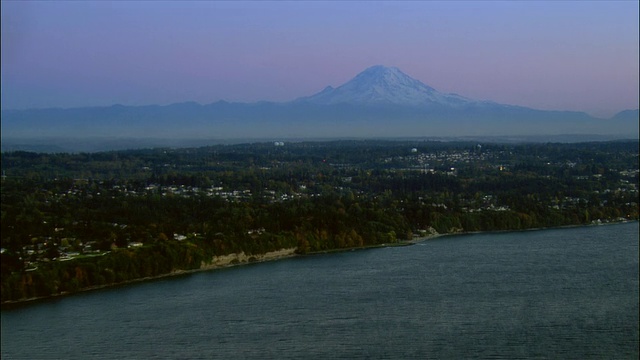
x: 564, y: 293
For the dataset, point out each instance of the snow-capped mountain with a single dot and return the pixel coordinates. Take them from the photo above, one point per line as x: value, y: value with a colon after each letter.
x: 381, y: 85
x: 378, y: 102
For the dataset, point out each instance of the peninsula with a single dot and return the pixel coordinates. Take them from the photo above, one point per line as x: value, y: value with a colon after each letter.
x: 79, y: 221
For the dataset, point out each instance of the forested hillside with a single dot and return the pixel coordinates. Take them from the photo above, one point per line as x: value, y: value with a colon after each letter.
x: 75, y: 221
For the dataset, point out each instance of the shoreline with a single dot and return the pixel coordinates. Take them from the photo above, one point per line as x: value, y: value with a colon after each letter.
x: 240, y: 259
x: 218, y: 262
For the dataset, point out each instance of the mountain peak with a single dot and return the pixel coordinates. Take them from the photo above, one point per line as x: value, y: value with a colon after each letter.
x: 382, y: 85
x: 381, y: 69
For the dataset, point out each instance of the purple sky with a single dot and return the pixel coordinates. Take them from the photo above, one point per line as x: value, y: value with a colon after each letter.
x: 579, y: 55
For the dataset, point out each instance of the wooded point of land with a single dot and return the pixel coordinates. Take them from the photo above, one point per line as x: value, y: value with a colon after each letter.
x: 76, y: 221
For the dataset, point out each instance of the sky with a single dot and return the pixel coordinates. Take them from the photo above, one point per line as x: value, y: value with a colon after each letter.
x: 573, y: 55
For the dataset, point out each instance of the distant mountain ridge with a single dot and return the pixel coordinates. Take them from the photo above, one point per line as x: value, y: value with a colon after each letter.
x: 378, y: 102
x: 629, y: 115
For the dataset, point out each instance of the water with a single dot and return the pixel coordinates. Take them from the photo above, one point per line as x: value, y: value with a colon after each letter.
x: 565, y: 293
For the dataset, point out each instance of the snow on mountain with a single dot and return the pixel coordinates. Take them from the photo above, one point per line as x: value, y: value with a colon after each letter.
x: 380, y: 85
x: 379, y: 102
